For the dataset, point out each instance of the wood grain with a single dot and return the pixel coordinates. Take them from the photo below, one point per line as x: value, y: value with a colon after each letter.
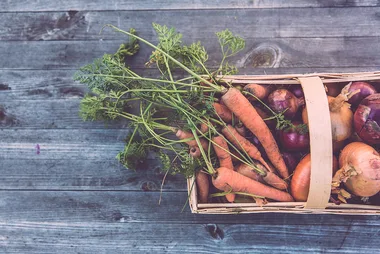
x: 248, y: 23
x: 65, y: 173
x: 267, y: 53
x: 104, y: 222
x: 45, y: 5
x: 49, y: 114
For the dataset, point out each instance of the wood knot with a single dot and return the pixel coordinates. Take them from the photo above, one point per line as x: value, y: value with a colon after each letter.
x: 264, y: 55
x: 148, y: 186
x: 215, y: 231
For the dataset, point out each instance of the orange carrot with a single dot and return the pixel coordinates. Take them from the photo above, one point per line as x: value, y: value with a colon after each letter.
x: 222, y: 152
x: 243, y: 144
x: 223, y: 112
x: 227, y: 179
x: 224, y: 157
x: 203, y: 186
x: 204, y: 128
x: 244, y: 110
x: 195, y: 152
x: 260, y: 91
x: 192, y: 143
x: 269, y: 177
x: 248, y: 172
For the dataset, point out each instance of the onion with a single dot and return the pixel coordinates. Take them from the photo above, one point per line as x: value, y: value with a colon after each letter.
x: 359, y: 170
x: 365, y: 88
x: 367, y: 119
x: 341, y: 116
x: 297, y: 91
x: 295, y: 138
x: 300, y: 183
x: 291, y: 160
x: 282, y: 99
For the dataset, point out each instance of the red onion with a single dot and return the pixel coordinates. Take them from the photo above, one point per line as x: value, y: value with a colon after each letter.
x: 367, y: 119
x: 291, y: 160
x: 365, y: 88
x: 295, y: 138
x: 282, y: 99
x: 297, y: 91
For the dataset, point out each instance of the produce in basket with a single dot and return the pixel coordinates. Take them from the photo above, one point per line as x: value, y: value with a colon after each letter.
x: 359, y: 170
x: 200, y: 124
x: 300, y: 182
x: 367, y: 119
x: 282, y: 100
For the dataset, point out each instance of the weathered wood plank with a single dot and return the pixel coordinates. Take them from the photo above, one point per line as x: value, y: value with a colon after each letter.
x: 104, y: 222
x: 138, y: 206
x: 69, y: 238
x: 45, y: 5
x: 277, y: 53
x: 59, y: 151
x: 74, y: 159
x: 49, y: 114
x: 102, y: 173
x: 37, y: 84
x: 58, y: 84
x: 64, y: 136
x: 262, y: 23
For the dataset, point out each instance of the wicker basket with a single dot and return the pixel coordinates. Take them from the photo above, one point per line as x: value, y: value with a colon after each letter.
x: 320, y: 149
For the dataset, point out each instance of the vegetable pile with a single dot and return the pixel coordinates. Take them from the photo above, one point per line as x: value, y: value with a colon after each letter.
x: 238, y: 140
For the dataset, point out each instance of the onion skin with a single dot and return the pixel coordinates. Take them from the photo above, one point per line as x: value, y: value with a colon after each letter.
x: 293, y: 140
x: 300, y: 184
x: 359, y: 169
x: 365, y: 88
x: 282, y: 99
x: 341, y: 117
x: 291, y: 160
x: 367, y: 119
x: 297, y: 91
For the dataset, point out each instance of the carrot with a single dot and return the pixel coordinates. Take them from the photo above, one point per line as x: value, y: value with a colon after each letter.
x: 248, y: 172
x: 203, y: 186
x: 269, y: 177
x: 224, y: 157
x: 243, y: 109
x: 222, y: 152
x: 192, y: 143
x: 260, y: 91
x: 243, y: 144
x: 204, y: 128
x: 223, y: 112
x: 227, y: 179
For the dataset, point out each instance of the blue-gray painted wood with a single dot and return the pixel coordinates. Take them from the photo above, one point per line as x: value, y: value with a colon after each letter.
x: 128, y: 222
x: 249, y: 23
x: 114, y: 5
x: 74, y: 197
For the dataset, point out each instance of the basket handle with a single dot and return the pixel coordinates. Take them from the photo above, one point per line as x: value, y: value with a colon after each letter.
x: 321, y: 150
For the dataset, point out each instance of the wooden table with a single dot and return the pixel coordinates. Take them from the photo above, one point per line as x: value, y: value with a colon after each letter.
x: 72, y: 196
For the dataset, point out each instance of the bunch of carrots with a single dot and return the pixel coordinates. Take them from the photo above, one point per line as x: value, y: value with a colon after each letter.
x: 237, y: 140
